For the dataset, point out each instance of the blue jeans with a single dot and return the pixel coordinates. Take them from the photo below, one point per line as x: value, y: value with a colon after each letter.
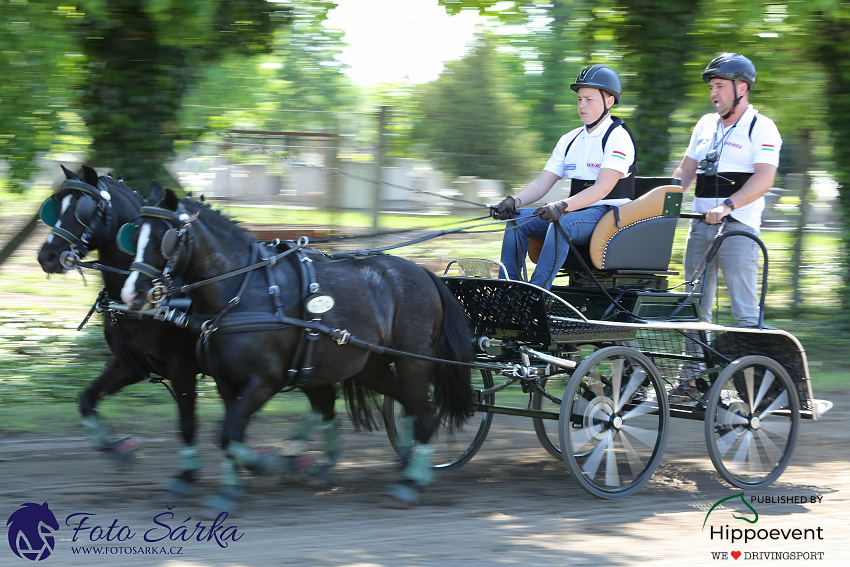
x: 738, y: 258
x: 578, y: 225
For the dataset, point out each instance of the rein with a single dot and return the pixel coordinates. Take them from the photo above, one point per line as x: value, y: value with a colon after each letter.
x: 162, y: 292
x: 245, y: 322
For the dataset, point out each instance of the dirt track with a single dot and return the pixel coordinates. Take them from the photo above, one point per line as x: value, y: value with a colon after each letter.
x: 512, y: 504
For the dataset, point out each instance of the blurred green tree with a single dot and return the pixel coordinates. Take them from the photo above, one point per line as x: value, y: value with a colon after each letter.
x: 475, y: 126
x: 830, y: 46
x: 141, y: 57
x: 298, y: 85
x: 40, y: 65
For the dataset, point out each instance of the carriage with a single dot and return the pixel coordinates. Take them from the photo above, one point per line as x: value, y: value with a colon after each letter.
x: 593, y: 360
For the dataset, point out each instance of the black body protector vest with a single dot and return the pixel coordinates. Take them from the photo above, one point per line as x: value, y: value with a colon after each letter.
x: 722, y: 184
x: 625, y: 187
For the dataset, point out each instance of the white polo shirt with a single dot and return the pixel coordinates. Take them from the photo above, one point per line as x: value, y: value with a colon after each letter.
x: 586, y: 157
x: 739, y: 151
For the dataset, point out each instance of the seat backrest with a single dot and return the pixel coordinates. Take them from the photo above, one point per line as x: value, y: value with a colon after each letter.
x: 643, y: 237
x: 649, y: 208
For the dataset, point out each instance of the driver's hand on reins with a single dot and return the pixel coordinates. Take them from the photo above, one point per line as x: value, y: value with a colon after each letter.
x: 503, y: 210
x: 551, y: 212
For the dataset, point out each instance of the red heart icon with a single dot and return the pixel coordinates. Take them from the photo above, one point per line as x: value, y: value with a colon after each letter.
x: 736, y: 554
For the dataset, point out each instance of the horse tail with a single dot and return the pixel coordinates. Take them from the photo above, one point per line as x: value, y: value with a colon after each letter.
x: 362, y: 404
x: 453, y: 396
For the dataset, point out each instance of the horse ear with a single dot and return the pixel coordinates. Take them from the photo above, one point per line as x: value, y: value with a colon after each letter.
x: 90, y: 176
x: 157, y: 193
x: 68, y: 173
x: 171, y: 200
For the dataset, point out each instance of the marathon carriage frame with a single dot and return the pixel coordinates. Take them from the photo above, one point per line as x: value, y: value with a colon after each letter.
x: 594, y: 366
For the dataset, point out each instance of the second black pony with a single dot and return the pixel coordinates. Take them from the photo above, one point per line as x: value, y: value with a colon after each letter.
x: 381, y: 320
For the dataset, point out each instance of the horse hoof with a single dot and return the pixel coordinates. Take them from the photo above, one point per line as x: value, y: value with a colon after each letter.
x: 123, y: 451
x: 297, y: 464
x: 225, y: 501
x: 401, y: 496
x: 176, y: 488
x: 265, y: 463
x: 324, y: 473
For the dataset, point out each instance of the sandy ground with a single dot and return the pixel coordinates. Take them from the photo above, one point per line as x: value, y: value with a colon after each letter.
x: 512, y: 504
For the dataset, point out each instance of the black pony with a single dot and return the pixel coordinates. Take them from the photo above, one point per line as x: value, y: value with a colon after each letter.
x: 276, y: 322
x: 86, y: 215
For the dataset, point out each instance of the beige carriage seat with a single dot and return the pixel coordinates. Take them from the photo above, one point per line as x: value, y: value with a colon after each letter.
x: 642, y: 240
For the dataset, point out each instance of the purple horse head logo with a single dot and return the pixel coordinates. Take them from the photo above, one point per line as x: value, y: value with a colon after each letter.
x: 31, y: 530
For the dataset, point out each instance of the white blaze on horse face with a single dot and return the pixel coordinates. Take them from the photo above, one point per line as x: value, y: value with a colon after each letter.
x: 66, y: 202
x: 128, y: 292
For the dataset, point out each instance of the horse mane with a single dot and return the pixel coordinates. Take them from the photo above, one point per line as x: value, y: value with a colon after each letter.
x: 213, y: 216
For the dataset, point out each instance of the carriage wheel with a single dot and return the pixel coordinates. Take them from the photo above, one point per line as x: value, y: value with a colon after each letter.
x: 751, y: 421
x: 451, y: 448
x: 614, y: 419
x: 547, y: 429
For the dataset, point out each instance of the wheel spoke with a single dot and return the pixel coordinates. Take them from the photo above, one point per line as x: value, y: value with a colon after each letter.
x: 739, y: 460
x: 772, y: 452
x: 754, y: 456
x: 579, y: 438
x: 616, y: 380
x: 780, y: 402
x: 765, y: 384
x: 612, y: 474
x: 726, y: 441
x: 591, y: 465
x: 643, y: 408
x: 749, y: 375
x: 638, y: 376
x: 635, y: 462
x: 646, y: 436
x: 727, y: 417
x: 779, y: 427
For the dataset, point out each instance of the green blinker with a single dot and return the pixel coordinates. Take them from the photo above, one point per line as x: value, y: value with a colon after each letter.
x: 49, y: 211
x: 125, y: 238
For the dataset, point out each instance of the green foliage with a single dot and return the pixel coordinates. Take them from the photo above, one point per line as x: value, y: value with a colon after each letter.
x: 297, y: 86
x: 657, y: 39
x: 39, y: 66
x: 471, y: 119
x: 140, y: 60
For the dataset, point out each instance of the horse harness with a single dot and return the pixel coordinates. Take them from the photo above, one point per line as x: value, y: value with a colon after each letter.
x: 94, y: 204
x: 177, y: 241
x: 314, y: 302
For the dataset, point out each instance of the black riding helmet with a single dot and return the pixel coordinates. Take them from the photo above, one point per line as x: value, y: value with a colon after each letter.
x: 600, y: 77
x: 732, y: 67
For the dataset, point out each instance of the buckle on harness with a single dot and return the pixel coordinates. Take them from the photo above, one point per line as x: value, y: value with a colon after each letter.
x: 341, y: 336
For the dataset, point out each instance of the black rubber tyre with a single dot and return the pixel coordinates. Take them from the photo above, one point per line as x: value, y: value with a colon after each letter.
x: 451, y: 448
x: 547, y: 429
